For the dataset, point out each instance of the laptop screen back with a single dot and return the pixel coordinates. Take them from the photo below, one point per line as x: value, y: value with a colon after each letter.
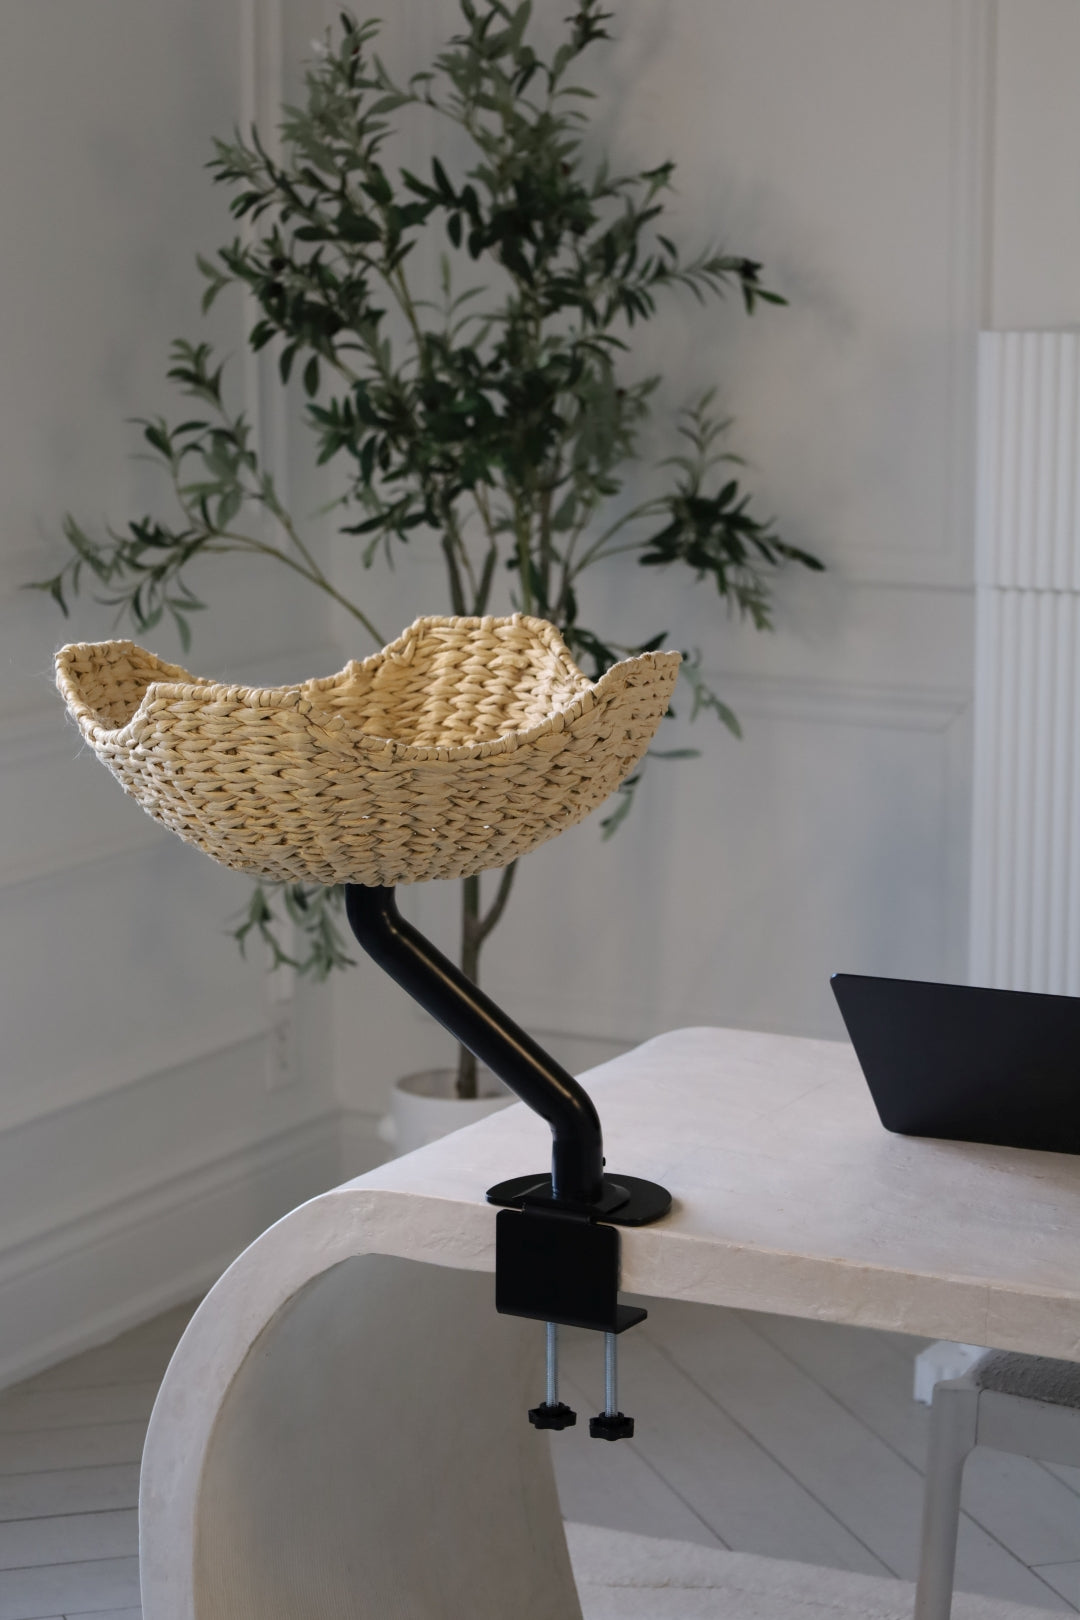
x: 968, y: 1064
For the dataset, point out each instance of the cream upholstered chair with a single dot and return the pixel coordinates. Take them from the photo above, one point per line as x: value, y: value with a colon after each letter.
x: 1026, y: 1405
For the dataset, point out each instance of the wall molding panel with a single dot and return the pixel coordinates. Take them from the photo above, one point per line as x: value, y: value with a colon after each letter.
x: 839, y: 703
x: 191, y: 1164
x: 145, y: 1137
x: 83, y: 1282
x: 1025, y: 887
x: 40, y: 749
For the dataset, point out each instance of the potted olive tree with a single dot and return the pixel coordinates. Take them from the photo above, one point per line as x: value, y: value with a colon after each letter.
x: 485, y: 404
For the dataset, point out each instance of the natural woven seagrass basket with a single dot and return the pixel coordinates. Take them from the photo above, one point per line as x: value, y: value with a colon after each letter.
x: 462, y: 745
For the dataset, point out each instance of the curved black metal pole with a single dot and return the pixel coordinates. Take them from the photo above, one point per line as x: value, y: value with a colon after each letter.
x: 577, y: 1149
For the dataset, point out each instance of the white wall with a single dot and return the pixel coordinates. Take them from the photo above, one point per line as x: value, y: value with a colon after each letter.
x: 842, y: 143
x: 140, y: 1143
x: 1033, y: 278
x: 905, y: 174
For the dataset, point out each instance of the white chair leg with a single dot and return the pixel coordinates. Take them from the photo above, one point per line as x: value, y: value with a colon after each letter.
x: 952, y: 1436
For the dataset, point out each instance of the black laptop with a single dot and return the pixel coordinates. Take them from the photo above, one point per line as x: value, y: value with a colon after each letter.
x: 972, y: 1065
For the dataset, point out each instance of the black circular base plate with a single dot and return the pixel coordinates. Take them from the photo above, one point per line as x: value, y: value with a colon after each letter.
x: 625, y: 1200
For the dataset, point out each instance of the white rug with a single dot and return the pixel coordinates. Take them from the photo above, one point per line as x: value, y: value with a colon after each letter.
x: 626, y: 1577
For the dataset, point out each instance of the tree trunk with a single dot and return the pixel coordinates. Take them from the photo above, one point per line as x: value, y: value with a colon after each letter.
x: 475, y: 928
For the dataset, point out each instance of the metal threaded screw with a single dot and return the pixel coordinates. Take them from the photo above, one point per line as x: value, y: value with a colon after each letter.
x: 611, y: 1424
x: 553, y: 1414
x: 611, y: 1376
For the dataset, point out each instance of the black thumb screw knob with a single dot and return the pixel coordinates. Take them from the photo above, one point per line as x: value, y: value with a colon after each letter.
x: 558, y: 1416
x: 611, y: 1426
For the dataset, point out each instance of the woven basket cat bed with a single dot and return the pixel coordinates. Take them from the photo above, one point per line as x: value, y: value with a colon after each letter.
x: 462, y: 745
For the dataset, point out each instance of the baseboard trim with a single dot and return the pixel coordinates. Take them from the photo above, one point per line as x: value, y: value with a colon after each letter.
x: 84, y: 1281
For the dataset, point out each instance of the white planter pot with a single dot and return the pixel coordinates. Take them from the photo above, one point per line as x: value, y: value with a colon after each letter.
x: 423, y: 1107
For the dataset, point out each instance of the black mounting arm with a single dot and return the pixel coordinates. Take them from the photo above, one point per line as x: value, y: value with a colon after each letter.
x: 577, y: 1148
x: 557, y: 1255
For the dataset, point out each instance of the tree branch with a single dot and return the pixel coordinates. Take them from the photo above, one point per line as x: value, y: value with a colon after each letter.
x: 502, y: 894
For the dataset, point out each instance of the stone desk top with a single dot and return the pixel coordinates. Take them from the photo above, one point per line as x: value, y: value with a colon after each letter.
x: 789, y: 1197
x: 325, y: 1378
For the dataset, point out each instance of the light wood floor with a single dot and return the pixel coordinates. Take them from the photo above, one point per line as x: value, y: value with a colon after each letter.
x: 793, y: 1439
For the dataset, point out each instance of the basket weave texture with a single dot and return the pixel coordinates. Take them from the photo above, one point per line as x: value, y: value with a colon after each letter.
x: 462, y: 745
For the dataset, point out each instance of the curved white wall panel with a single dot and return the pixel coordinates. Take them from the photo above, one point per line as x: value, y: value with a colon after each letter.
x: 1025, y: 907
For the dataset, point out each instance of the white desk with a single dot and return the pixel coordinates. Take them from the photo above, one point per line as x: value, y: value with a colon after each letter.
x: 314, y: 1387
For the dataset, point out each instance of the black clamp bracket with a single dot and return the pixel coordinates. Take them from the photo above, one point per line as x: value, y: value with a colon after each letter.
x: 561, y: 1266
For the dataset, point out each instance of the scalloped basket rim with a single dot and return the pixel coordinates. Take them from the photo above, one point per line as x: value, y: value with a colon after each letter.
x: 333, y: 724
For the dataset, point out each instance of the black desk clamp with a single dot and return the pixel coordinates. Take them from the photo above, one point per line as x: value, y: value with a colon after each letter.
x: 556, y: 1243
